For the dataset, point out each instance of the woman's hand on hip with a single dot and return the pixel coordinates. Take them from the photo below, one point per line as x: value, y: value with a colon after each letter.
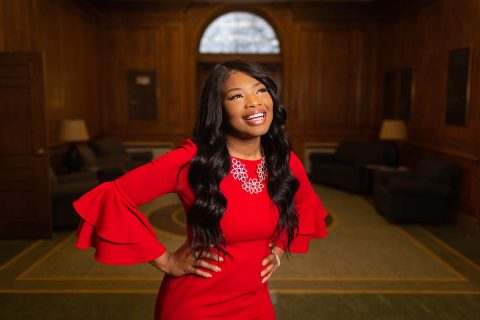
x: 184, y: 261
x: 271, y: 263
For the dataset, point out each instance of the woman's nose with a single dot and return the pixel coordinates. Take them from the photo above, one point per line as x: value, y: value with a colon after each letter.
x: 251, y: 101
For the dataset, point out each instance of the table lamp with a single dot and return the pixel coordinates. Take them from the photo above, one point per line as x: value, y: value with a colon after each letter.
x: 393, y: 130
x: 73, y: 131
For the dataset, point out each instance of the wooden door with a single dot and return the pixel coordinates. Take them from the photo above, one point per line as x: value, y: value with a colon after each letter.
x: 25, y: 210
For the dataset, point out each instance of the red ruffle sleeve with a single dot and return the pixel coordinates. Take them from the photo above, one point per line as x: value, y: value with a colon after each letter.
x: 310, y: 210
x: 111, y: 223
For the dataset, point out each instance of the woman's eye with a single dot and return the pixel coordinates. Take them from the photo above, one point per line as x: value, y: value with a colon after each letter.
x: 237, y: 96
x: 262, y: 90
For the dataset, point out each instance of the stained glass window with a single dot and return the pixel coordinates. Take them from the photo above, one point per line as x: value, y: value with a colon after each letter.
x: 240, y: 32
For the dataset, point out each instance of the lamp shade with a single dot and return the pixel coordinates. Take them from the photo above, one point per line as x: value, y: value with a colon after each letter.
x: 73, y: 130
x: 393, y: 129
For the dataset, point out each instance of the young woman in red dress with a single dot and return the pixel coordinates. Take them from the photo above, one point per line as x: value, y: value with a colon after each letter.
x: 246, y: 196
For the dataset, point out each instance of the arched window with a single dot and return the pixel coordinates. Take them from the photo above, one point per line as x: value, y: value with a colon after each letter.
x: 240, y: 32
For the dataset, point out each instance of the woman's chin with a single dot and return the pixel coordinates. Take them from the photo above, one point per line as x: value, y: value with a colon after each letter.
x: 248, y: 135
x: 249, y: 131
x: 257, y: 131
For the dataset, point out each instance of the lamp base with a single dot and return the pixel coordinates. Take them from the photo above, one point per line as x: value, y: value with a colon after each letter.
x: 393, y: 158
x: 72, y: 159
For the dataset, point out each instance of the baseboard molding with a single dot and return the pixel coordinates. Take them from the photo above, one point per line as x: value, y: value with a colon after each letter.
x: 469, y: 224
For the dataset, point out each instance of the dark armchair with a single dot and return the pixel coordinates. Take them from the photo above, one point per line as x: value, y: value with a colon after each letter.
x: 423, y: 195
x: 345, y: 168
x: 67, y: 188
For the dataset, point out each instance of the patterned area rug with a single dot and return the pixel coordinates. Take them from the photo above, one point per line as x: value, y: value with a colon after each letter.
x: 363, y: 254
x: 172, y: 219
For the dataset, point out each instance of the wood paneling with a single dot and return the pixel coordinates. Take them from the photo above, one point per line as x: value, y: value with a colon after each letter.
x: 422, y: 37
x: 49, y: 42
x: 330, y: 88
x: 328, y: 79
x: 333, y: 59
x: 16, y: 25
x: 136, y: 46
x: 79, y: 68
x: 66, y: 35
x: 24, y: 183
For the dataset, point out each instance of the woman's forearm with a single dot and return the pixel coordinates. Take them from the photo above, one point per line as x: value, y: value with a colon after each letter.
x: 162, y: 262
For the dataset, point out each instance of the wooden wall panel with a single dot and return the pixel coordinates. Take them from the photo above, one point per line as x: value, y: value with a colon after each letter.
x: 463, y: 31
x: 16, y: 30
x: 328, y: 78
x: 2, y: 26
x: 422, y: 38
x: 430, y: 73
x: 332, y: 92
x: 173, y: 98
x: 157, y: 47
x: 79, y: 69
x: 48, y: 40
x: 333, y: 65
x: 66, y: 36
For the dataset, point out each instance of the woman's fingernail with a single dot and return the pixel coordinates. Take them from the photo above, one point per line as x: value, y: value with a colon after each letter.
x: 218, y: 269
x: 263, y: 262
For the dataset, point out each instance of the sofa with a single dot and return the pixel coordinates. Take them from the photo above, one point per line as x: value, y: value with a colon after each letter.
x: 424, y: 195
x: 109, y: 159
x: 345, y: 168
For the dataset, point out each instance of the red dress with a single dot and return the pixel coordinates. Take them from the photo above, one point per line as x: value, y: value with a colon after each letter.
x: 122, y: 235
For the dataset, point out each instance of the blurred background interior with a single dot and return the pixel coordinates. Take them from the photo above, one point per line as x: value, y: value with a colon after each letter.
x: 383, y: 108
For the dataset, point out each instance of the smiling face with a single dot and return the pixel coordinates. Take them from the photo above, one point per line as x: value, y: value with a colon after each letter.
x: 248, y: 106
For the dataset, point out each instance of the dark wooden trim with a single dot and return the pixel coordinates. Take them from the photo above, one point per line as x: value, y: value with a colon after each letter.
x: 215, y: 58
x: 391, y: 9
x: 333, y: 10
x: 447, y: 151
x: 139, y: 5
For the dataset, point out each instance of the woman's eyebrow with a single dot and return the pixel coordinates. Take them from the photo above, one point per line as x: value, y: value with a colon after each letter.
x: 253, y: 86
x: 232, y: 89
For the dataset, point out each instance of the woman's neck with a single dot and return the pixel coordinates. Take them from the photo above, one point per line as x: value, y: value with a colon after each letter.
x: 248, y: 149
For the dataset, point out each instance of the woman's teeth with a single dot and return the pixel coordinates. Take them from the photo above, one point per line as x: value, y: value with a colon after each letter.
x: 255, y: 116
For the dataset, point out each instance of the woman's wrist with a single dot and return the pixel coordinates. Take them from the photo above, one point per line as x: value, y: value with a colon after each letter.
x: 162, y: 262
x: 279, y: 245
x: 278, y: 251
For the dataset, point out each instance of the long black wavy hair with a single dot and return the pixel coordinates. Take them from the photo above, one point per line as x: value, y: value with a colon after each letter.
x: 212, y: 163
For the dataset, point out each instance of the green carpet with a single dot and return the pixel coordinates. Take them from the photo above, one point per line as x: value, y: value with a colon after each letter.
x: 365, y: 269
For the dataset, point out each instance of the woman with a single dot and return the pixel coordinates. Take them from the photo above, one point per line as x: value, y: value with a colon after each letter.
x: 247, y: 198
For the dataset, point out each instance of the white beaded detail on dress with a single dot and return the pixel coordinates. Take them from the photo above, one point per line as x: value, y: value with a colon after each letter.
x: 250, y: 185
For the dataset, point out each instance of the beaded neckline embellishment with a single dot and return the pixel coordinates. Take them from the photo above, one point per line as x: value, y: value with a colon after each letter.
x: 250, y: 185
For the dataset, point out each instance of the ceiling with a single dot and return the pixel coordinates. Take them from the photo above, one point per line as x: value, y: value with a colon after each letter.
x: 161, y: 3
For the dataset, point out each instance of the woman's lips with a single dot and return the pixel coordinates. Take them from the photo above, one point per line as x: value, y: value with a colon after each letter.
x: 256, y: 119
